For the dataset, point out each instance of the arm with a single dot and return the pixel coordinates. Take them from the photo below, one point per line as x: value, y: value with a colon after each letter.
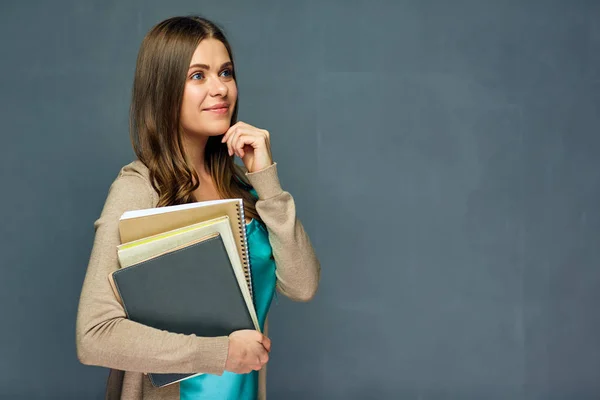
x: 104, y: 336
x: 298, y: 269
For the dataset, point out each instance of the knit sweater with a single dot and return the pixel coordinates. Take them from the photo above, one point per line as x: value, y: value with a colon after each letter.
x: 104, y: 335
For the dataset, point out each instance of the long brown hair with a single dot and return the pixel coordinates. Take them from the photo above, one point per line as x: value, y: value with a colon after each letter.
x: 158, y: 86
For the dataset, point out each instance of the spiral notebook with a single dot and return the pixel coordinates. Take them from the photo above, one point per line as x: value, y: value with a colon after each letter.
x: 171, y: 292
x: 139, y: 251
x: 139, y: 224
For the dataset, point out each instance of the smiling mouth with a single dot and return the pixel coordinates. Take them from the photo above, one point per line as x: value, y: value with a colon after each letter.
x: 220, y: 110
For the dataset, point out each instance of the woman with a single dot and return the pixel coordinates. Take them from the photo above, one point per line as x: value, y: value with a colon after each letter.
x: 185, y: 135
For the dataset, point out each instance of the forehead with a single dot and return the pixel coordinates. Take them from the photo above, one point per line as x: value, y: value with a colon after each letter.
x: 211, y: 52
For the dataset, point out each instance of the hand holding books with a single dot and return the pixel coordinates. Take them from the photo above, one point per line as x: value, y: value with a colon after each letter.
x: 248, y: 351
x: 185, y: 269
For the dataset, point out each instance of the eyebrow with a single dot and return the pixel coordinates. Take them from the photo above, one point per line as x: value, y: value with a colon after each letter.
x: 204, y: 66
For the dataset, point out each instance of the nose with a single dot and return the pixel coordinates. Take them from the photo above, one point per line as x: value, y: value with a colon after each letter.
x: 217, y: 87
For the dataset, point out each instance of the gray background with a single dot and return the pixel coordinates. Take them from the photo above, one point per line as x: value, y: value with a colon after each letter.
x: 444, y: 156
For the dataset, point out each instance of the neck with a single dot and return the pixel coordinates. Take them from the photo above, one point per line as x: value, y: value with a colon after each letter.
x: 194, y: 149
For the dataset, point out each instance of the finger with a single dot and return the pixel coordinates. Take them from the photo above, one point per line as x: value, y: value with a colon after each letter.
x: 233, y: 141
x: 229, y: 131
x: 257, y: 336
x: 256, y: 352
x: 262, y: 354
x: 241, y: 141
x: 266, y: 135
x: 268, y: 143
x: 260, y: 337
x: 266, y: 342
x: 263, y: 358
x: 230, y: 140
x: 238, y: 144
x: 230, y: 137
x: 226, y: 134
x: 257, y: 367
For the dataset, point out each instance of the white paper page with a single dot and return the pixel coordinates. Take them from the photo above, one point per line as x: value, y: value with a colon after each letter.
x: 161, y: 210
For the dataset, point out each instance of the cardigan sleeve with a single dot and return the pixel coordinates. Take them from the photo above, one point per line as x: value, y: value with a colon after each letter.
x: 298, y: 270
x: 104, y: 335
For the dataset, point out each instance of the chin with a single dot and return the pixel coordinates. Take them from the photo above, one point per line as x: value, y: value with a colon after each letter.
x: 213, y: 128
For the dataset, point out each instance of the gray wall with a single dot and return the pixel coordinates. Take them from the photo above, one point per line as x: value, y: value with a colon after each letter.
x: 444, y: 156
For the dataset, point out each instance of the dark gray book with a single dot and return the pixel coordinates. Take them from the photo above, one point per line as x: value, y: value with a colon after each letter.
x: 192, y: 290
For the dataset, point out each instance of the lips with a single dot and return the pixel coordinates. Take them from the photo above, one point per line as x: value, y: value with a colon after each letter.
x: 218, y: 107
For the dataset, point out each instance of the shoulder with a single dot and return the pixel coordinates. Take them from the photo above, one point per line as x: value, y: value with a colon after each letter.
x: 130, y: 190
x: 133, y: 182
x: 137, y: 169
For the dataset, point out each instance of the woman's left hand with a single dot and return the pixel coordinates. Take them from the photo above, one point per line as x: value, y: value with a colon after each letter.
x: 251, y: 144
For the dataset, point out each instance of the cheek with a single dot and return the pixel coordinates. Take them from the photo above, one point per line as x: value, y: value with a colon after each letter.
x: 232, y: 92
x: 192, y: 102
x: 193, y: 96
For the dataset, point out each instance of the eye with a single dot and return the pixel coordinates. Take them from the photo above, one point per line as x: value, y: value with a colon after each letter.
x: 197, y: 74
x: 227, y: 73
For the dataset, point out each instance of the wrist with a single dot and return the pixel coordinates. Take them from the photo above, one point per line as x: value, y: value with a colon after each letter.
x: 265, y: 182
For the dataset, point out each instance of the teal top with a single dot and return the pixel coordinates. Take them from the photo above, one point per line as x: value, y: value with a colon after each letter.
x: 241, y: 386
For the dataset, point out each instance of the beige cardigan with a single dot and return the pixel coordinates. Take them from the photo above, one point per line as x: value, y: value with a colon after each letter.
x: 105, y: 337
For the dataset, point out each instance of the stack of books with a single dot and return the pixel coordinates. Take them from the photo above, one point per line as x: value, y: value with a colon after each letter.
x: 185, y: 269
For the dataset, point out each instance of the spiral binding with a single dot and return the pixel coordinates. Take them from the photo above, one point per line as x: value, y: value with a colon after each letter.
x: 245, y: 249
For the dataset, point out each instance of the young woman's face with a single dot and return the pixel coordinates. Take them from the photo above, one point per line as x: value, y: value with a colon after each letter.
x: 210, y: 91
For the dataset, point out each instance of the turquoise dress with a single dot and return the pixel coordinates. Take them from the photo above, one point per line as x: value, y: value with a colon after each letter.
x: 230, y: 386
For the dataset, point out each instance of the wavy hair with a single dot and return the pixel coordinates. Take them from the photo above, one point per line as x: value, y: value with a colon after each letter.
x: 154, y: 119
